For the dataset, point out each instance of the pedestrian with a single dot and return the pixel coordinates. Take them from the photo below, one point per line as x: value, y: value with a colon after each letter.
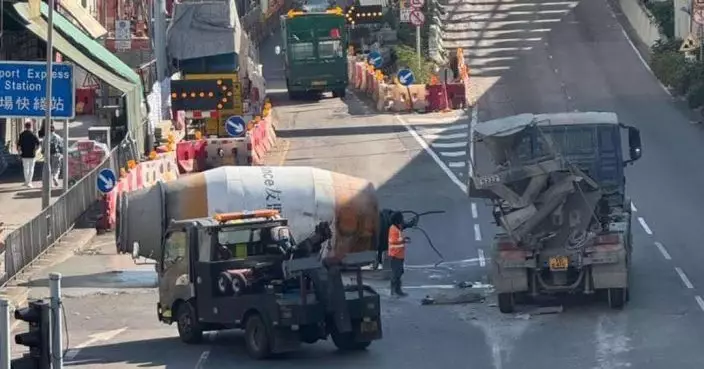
x: 397, y: 252
x: 56, y: 151
x: 27, y: 146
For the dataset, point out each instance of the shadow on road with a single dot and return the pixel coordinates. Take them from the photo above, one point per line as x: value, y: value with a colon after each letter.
x: 112, y: 279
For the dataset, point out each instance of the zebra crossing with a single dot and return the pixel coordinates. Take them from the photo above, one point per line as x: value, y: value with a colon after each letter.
x: 448, y: 138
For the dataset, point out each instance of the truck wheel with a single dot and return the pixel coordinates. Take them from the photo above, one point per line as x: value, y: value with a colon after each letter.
x: 256, y: 337
x: 506, y: 303
x: 346, y: 341
x: 617, y: 297
x: 339, y: 93
x: 189, y: 329
x: 293, y: 95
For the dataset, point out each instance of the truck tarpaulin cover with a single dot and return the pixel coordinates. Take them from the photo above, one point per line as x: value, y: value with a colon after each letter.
x: 304, y: 195
x: 200, y: 29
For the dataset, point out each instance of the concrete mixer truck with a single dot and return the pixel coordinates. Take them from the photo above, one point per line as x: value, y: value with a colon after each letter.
x: 260, y: 249
x: 559, y: 192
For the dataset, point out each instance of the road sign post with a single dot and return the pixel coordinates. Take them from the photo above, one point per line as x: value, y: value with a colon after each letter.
x: 406, y: 78
x: 446, y: 75
x: 106, y: 180
x: 235, y: 126
x: 5, y: 354
x: 418, y: 19
x: 57, y: 360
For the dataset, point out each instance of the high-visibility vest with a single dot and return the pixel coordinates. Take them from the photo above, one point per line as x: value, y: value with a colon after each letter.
x: 397, y: 245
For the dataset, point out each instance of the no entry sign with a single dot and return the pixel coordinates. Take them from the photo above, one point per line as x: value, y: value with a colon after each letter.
x: 417, y: 18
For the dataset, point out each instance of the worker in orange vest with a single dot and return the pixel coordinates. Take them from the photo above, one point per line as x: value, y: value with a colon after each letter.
x: 397, y: 252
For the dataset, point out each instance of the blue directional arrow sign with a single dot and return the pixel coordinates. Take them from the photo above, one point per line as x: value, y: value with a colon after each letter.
x: 375, y: 59
x: 405, y: 76
x: 106, y: 180
x: 235, y: 126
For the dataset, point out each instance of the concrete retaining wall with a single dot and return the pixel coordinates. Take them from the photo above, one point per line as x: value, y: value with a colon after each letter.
x: 638, y: 17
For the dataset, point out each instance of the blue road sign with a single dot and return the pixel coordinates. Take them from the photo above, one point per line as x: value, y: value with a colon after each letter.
x: 235, y: 126
x: 23, y: 90
x: 106, y: 180
x: 375, y: 59
x: 405, y: 76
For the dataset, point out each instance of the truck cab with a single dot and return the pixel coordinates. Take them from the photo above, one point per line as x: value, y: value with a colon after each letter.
x: 244, y: 271
x: 559, y: 193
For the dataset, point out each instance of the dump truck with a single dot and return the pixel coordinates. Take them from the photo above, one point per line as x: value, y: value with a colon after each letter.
x: 314, y: 50
x: 558, y: 192
x: 282, y: 273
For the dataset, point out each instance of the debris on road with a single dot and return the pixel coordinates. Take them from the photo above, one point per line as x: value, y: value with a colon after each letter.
x: 450, y: 299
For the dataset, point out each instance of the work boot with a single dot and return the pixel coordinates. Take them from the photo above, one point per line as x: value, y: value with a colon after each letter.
x: 399, y: 292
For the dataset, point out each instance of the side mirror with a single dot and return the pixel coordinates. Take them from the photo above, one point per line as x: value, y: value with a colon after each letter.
x: 634, y: 144
x: 277, y: 50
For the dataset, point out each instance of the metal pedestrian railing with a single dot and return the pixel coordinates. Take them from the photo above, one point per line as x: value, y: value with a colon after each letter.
x: 24, y: 244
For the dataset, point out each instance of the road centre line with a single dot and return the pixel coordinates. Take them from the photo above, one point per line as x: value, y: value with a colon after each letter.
x: 700, y: 302
x: 482, y: 260
x: 663, y: 250
x: 475, y: 213
x: 438, y: 161
x: 684, y: 278
x: 477, y: 233
x: 645, y: 226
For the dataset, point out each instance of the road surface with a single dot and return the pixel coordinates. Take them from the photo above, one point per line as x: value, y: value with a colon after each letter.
x: 526, y: 57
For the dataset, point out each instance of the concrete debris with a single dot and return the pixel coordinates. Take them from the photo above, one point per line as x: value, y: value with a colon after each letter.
x: 451, y: 299
x: 544, y: 310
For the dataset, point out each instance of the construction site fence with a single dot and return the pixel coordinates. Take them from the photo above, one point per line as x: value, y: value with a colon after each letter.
x: 23, y: 245
x: 389, y: 95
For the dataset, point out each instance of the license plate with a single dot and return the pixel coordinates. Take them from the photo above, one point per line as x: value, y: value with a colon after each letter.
x: 369, y: 327
x: 319, y: 83
x: 559, y: 263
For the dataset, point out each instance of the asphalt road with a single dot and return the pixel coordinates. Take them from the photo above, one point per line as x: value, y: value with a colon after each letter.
x: 580, y: 60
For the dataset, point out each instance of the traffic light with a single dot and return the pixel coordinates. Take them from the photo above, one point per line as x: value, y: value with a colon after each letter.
x: 364, y: 14
x: 37, y: 339
x: 201, y: 95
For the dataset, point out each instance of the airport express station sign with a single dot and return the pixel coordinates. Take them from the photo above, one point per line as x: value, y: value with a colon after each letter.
x: 23, y: 90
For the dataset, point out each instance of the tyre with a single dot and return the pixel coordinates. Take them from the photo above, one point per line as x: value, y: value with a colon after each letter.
x: 293, y: 95
x: 339, y: 93
x: 507, y: 303
x: 189, y: 330
x: 617, y: 297
x: 225, y: 284
x: 346, y: 342
x: 257, y: 338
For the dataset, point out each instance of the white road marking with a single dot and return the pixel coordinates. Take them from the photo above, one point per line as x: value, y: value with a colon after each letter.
x: 433, y: 120
x: 438, y: 161
x: 439, y: 130
x: 633, y: 207
x: 684, y: 278
x: 700, y: 302
x: 482, y: 260
x: 472, y: 124
x: 448, y: 145
x: 644, y: 225
x: 450, y: 136
x: 456, y: 164
x: 663, y: 251
x: 203, y: 358
x: 94, y: 338
x: 453, y: 154
x: 477, y: 233
x: 475, y: 214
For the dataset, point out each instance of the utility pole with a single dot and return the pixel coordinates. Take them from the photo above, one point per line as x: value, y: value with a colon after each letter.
x: 46, y: 173
x: 159, y: 14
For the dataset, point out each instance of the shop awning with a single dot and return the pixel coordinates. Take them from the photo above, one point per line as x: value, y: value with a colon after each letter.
x: 40, y: 27
x: 83, y: 17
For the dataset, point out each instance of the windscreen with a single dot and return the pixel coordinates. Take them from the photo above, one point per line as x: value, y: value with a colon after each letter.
x: 315, y: 40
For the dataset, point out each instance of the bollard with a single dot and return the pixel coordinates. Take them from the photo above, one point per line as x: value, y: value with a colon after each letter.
x: 57, y: 355
x: 4, y: 334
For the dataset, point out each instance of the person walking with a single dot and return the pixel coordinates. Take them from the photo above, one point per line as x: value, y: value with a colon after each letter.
x: 397, y: 253
x: 27, y: 146
x: 56, y: 150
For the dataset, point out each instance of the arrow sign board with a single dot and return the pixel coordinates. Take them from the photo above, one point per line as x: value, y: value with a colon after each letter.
x: 106, y: 180
x: 375, y: 59
x: 417, y: 3
x: 446, y: 75
x: 417, y: 18
x: 235, y: 126
x: 405, y: 76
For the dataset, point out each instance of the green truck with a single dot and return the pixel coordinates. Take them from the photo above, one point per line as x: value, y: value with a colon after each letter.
x: 315, y: 52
